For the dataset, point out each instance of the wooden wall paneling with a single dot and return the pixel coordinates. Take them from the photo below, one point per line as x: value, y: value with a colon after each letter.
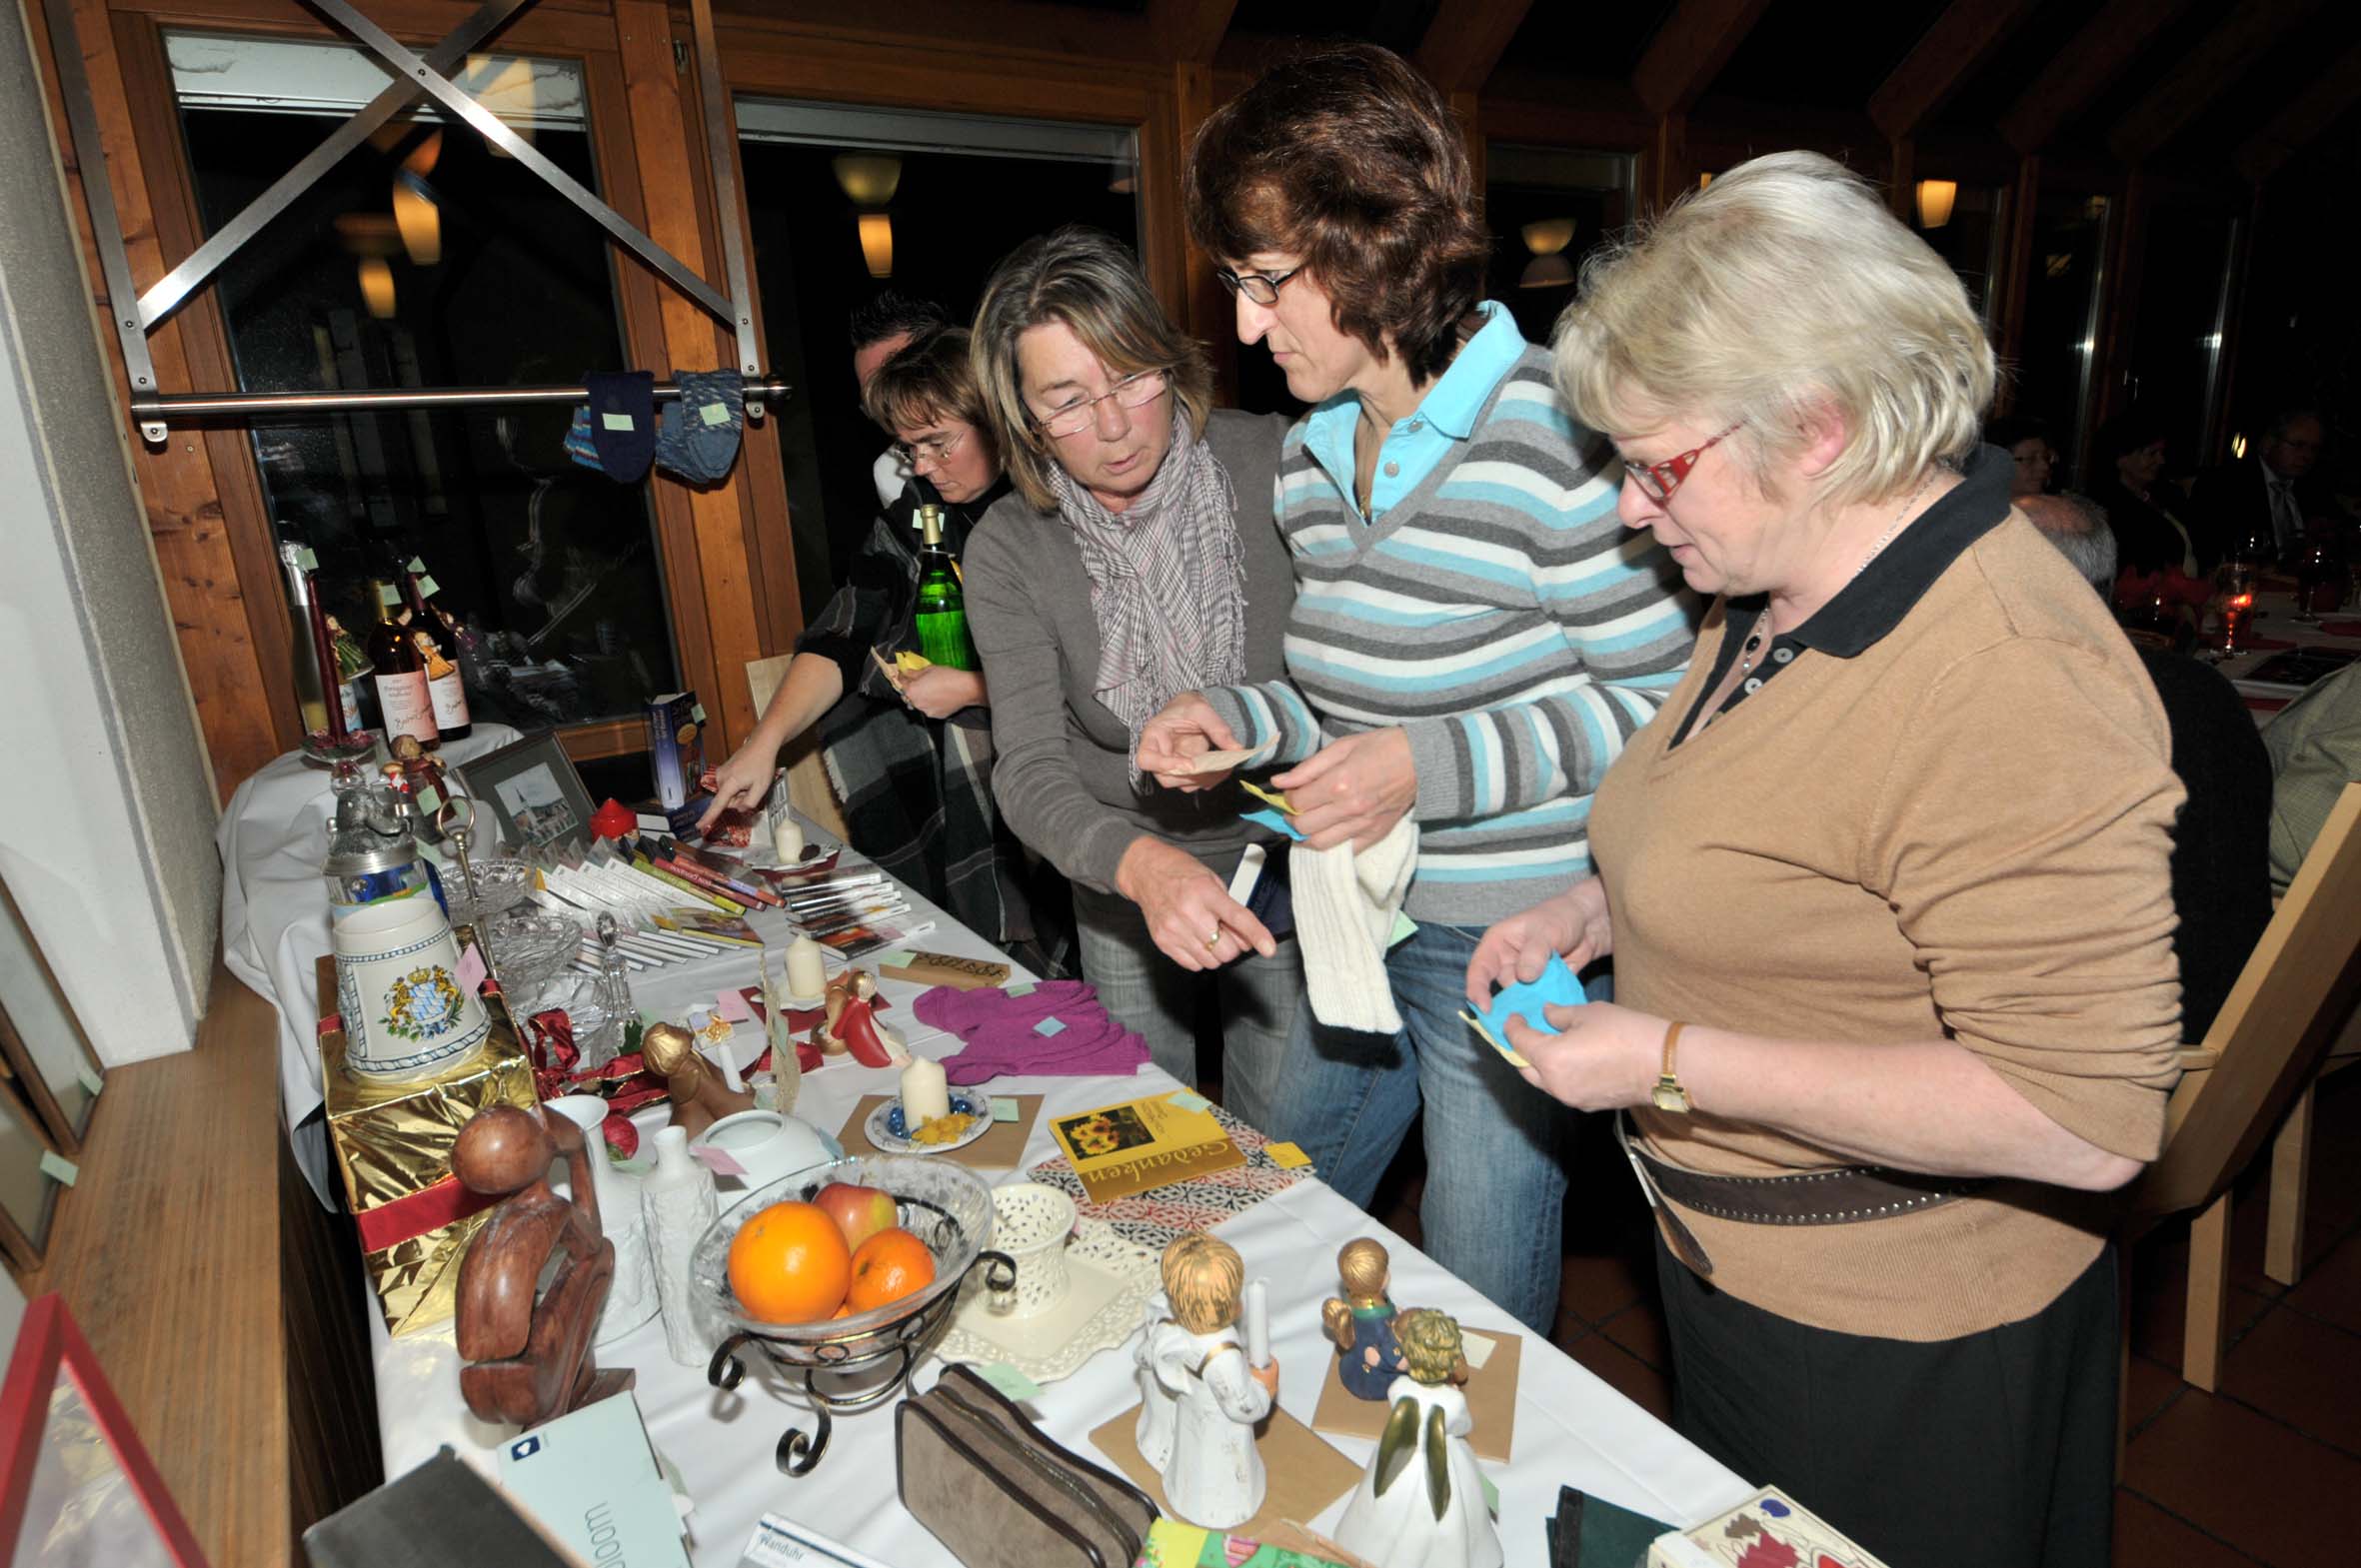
x: 1595, y: 115
x: 930, y: 73
x: 1960, y: 40
x: 640, y: 300
x: 177, y: 485
x: 2322, y: 102
x: 1188, y: 32
x: 2017, y: 272
x: 1668, y: 163
x: 1463, y: 43
x: 245, y: 510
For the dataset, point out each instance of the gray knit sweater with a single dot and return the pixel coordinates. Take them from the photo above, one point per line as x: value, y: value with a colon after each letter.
x: 1062, y: 775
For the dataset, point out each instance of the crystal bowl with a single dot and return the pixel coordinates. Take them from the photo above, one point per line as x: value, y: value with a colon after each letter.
x: 529, y: 948
x: 501, y: 883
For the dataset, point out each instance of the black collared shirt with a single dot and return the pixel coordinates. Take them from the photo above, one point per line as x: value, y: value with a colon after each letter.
x: 1876, y: 599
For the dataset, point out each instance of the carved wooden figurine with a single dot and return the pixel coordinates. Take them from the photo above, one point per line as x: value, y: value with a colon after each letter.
x: 694, y: 1085
x: 1420, y: 1502
x: 1369, y: 1357
x: 529, y: 1361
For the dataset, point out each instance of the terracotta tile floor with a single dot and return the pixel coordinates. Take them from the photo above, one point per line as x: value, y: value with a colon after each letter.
x: 2268, y: 1470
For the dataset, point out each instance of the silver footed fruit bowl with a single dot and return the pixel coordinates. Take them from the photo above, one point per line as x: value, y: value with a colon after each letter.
x: 946, y: 1205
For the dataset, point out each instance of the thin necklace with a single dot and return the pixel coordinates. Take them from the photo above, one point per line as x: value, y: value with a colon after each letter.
x: 1753, y: 647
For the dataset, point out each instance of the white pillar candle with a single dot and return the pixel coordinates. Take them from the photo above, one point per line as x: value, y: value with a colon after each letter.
x: 807, y: 971
x: 1255, y: 1317
x: 788, y: 839
x: 925, y: 1093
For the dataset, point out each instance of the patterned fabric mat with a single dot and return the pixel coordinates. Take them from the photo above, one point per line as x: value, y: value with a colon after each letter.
x: 1156, y: 1217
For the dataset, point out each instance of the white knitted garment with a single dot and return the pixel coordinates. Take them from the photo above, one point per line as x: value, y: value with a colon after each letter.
x: 1346, y: 906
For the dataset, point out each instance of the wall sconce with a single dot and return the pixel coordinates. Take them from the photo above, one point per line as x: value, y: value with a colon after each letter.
x: 1548, y: 241
x: 868, y: 181
x: 877, y: 244
x: 2239, y: 445
x: 1935, y: 198
x: 377, y: 287
x: 418, y: 218
x: 1703, y: 181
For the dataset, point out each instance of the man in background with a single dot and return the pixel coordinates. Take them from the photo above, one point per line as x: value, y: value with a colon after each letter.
x: 882, y: 329
x: 2221, y: 882
x: 2268, y: 493
x: 2315, y: 749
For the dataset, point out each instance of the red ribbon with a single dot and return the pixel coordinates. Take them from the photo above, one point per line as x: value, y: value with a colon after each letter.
x: 421, y: 1213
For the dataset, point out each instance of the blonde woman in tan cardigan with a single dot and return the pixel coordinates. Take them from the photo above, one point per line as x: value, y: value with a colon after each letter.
x: 1887, y: 889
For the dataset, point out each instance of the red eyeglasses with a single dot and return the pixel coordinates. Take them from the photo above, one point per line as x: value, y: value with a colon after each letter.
x: 1658, y: 481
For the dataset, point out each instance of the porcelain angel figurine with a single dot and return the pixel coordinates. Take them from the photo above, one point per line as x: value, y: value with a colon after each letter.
x: 1154, y: 1431
x: 1369, y: 1357
x: 1420, y: 1502
x: 1213, y: 1476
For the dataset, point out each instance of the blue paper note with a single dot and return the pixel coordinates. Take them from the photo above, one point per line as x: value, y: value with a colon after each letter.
x: 1020, y: 988
x: 1559, y: 986
x: 1047, y: 1027
x: 1270, y: 818
x: 57, y: 1165
x: 1187, y: 1100
x: 1005, y: 1109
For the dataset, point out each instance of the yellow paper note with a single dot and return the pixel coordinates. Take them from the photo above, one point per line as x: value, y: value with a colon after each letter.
x: 1274, y: 798
x: 1286, y: 1156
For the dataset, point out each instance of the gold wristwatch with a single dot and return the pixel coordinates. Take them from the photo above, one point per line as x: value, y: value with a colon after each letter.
x: 1669, y: 1095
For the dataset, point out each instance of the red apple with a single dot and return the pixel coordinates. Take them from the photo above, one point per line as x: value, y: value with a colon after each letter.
x: 860, y: 1213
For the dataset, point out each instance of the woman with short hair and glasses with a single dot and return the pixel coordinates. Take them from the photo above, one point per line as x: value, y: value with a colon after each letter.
x: 1474, y: 637
x: 1137, y: 560
x: 911, y: 767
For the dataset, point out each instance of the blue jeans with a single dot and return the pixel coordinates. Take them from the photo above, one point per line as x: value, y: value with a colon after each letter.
x: 1259, y: 1001
x: 1495, y: 1178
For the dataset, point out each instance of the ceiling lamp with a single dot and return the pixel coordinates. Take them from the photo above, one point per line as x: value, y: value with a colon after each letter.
x: 1548, y: 237
x: 377, y: 287
x: 1934, y: 202
x: 877, y: 244
x: 1547, y: 272
x: 419, y: 219
x: 870, y: 181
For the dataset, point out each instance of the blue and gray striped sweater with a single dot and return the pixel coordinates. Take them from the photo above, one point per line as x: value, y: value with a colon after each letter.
x: 1503, y: 618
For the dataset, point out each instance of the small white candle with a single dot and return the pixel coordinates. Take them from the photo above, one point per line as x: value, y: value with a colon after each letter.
x: 925, y: 1093
x: 788, y: 839
x: 1255, y: 1316
x: 807, y: 971
x: 726, y: 1055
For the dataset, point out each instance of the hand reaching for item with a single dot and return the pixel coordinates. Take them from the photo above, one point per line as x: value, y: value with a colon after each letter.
x: 938, y: 690
x: 742, y: 780
x: 1189, y: 912
x: 1187, y: 728
x: 1355, y: 789
x: 1575, y: 923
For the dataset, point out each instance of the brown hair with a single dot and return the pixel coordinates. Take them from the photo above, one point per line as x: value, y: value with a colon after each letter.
x: 1086, y: 279
x: 1350, y: 161
x: 932, y: 378
x: 1202, y: 1277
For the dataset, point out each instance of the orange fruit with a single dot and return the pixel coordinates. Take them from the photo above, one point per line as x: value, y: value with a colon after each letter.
x: 789, y: 1264
x: 888, y: 1266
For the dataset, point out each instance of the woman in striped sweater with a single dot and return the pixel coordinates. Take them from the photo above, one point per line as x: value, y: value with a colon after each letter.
x: 1474, y: 635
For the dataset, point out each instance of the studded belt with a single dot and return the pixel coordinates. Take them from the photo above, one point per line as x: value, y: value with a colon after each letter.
x: 1846, y: 1195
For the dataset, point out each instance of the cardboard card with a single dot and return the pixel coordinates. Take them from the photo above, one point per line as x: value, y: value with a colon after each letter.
x: 1490, y: 1390
x: 945, y: 968
x: 1220, y: 761
x: 1305, y: 1474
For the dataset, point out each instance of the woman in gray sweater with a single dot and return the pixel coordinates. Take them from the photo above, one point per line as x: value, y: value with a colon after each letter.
x: 1137, y: 560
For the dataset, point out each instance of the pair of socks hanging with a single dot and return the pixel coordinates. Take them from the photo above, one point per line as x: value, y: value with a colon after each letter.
x: 617, y: 432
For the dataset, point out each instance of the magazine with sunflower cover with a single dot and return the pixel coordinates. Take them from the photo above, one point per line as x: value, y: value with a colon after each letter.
x: 1142, y: 1143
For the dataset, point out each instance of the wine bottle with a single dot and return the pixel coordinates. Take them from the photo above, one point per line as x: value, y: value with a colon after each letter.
x: 403, y: 703
x: 308, y: 651
x: 942, y: 608
x: 445, y: 686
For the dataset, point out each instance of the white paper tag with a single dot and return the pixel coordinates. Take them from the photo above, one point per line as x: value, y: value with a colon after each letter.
x: 90, y: 1080
x: 1478, y: 1348
x: 714, y: 413
x: 616, y: 421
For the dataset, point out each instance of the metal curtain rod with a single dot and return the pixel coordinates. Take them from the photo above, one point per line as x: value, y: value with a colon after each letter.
x: 198, y: 404
x: 134, y: 316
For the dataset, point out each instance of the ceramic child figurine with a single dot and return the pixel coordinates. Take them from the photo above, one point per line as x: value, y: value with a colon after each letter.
x: 1153, y: 1433
x: 1420, y: 1502
x: 1369, y: 1357
x: 694, y: 1085
x: 1214, y: 1476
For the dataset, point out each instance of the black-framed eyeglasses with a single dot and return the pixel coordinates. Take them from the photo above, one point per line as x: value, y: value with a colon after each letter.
x: 1132, y: 392
x: 1260, y: 286
x: 935, y: 450
x: 1658, y: 481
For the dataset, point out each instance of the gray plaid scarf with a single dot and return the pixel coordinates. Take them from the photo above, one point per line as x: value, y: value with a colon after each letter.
x: 1168, y: 582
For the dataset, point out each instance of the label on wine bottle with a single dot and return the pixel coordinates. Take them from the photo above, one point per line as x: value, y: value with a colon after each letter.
x: 448, y: 694
x: 406, y: 708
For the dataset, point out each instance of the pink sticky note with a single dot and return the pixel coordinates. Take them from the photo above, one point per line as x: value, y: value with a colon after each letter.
x: 733, y: 1009
x: 470, y: 970
x: 719, y: 1161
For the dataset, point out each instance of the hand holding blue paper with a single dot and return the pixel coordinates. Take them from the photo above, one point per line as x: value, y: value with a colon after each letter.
x: 1559, y: 986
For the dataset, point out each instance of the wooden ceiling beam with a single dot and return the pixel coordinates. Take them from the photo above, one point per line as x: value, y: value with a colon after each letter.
x: 1690, y: 49
x: 2320, y: 105
x: 1465, y: 41
x: 2225, y: 54
x: 2081, y: 70
x: 1188, y: 32
x: 1960, y: 40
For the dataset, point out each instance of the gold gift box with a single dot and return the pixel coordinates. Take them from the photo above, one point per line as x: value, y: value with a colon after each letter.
x: 393, y: 1142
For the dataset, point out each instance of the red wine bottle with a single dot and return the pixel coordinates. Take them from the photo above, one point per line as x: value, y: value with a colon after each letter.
x: 399, y: 671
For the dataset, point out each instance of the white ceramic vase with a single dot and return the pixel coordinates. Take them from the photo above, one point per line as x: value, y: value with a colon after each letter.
x: 767, y: 1146
x: 678, y: 1202
x: 631, y: 1299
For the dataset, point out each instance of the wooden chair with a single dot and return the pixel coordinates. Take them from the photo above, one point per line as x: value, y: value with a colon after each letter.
x: 808, y: 788
x: 2294, y: 995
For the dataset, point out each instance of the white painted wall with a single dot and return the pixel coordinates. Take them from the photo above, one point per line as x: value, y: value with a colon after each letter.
x: 106, y: 793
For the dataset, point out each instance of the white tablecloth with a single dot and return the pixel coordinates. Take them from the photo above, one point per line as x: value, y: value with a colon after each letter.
x: 1572, y: 1429
x: 274, y: 921
x: 2275, y: 622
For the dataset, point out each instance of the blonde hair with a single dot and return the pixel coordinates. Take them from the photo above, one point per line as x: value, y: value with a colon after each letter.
x: 1362, y: 1267
x: 1431, y: 1344
x: 1202, y: 1277
x: 1783, y: 289
x: 1087, y: 280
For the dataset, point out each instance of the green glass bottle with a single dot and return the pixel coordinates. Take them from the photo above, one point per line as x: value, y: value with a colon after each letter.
x: 942, y: 611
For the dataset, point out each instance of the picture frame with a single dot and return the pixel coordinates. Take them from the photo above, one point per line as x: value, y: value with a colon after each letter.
x: 42, y: 1042
x: 530, y: 789
x: 57, y: 1411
